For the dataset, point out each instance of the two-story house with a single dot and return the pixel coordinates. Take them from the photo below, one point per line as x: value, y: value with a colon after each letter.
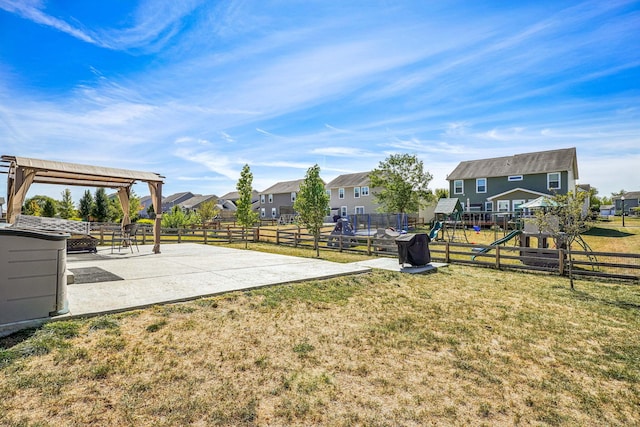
x: 504, y: 183
x: 170, y: 201
x: 278, y: 199
x: 350, y: 194
x: 631, y: 201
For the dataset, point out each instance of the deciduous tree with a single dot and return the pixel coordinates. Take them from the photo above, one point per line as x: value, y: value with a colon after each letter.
x: 245, y: 214
x: 400, y: 184
x: 312, y: 203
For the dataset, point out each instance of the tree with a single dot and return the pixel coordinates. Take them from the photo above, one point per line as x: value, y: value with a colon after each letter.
x: 65, y: 207
x: 85, y: 206
x: 400, y: 184
x: 245, y: 214
x: 100, y: 209
x: 36, y: 205
x: 565, y: 222
x: 208, y: 211
x: 442, y: 193
x: 49, y: 209
x: 312, y: 203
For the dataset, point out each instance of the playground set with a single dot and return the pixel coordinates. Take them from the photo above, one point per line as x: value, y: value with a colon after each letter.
x: 451, y: 224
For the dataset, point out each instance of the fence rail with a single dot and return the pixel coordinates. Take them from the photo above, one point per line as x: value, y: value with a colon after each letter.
x: 552, y: 261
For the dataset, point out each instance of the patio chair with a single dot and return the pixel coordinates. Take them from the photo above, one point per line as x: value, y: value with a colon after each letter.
x: 125, y: 237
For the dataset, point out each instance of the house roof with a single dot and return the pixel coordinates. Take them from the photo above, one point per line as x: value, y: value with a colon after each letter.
x: 516, y: 190
x: 519, y: 164
x: 350, y: 180
x: 172, y: 198
x: 628, y: 195
x: 234, y: 195
x: 283, y: 187
x: 196, y: 200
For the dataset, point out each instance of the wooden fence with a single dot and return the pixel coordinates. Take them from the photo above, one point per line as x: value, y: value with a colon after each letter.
x: 553, y: 261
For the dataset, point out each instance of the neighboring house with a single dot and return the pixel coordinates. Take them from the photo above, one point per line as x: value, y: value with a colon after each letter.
x: 192, y: 204
x: 504, y: 183
x: 233, y: 197
x: 175, y: 199
x: 145, y: 202
x: 1, y: 204
x: 278, y: 199
x: 350, y: 194
x: 607, y: 210
x: 631, y: 200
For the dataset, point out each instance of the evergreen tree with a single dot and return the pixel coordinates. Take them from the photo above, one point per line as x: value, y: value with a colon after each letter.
x: 65, y: 207
x: 400, y: 183
x: 49, y: 209
x: 244, y: 214
x: 85, y: 206
x: 100, y: 211
x: 312, y: 203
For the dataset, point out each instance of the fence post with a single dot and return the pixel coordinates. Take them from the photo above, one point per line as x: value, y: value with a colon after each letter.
x: 561, y: 261
x: 368, y: 245
x: 340, y: 243
x: 206, y: 233
x: 277, y: 237
x: 446, y: 252
x: 295, y: 239
x: 179, y: 235
x: 498, y: 257
x: 229, y: 234
x: 101, y: 234
x: 256, y: 234
x: 144, y: 235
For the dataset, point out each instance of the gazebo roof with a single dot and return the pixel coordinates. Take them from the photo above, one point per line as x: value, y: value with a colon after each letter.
x: 54, y: 172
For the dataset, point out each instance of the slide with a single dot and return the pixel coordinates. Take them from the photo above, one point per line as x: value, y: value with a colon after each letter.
x: 434, y: 231
x: 505, y: 239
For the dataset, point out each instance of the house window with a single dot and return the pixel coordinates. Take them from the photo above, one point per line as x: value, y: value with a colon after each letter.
x: 262, y: 198
x: 514, y: 178
x: 263, y: 213
x: 270, y: 198
x: 343, y: 211
x: 503, y: 206
x: 293, y: 196
x: 516, y: 204
x: 481, y: 185
x: 274, y: 213
x: 553, y: 181
x: 458, y: 186
x: 356, y: 192
x: 359, y: 210
x: 364, y: 191
x: 340, y: 193
x: 488, y: 206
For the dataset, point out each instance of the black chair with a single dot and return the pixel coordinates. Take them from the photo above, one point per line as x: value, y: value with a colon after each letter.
x: 125, y: 237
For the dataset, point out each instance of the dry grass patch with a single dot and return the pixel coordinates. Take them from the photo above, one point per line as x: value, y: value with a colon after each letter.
x: 464, y: 346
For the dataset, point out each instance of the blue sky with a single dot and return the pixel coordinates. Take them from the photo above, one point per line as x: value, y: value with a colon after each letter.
x: 195, y: 89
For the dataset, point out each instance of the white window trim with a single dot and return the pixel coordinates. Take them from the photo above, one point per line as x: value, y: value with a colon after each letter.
x: 293, y: 196
x: 549, y: 181
x: 270, y: 198
x: 274, y: 212
x: 488, y: 206
x: 485, y: 185
x: 508, y: 202
x: 340, y: 193
x: 515, y: 203
x: 263, y: 212
x: 356, y: 210
x: 461, y: 187
x: 512, y: 178
x: 344, y: 210
x: 356, y: 192
x: 364, y: 191
x: 262, y: 199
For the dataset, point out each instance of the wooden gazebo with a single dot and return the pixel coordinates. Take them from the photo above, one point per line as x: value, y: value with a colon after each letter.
x: 22, y: 172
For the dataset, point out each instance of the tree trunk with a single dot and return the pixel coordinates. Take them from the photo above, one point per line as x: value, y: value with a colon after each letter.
x: 570, y: 267
x: 316, y: 244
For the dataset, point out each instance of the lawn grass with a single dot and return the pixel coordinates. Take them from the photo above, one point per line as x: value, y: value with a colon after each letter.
x: 464, y: 346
